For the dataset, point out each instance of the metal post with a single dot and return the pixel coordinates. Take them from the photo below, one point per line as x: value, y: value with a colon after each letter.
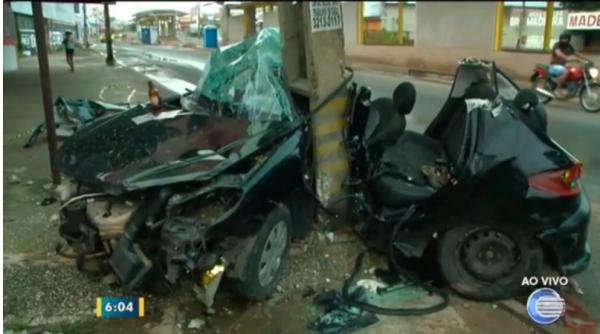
x: 41, y: 38
x: 400, y: 23
x: 110, y: 59
x: 86, y: 41
x: 499, y: 25
x: 548, y: 25
x: 360, y: 23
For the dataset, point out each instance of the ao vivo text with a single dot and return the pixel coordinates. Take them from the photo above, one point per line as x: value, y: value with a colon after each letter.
x: 545, y: 281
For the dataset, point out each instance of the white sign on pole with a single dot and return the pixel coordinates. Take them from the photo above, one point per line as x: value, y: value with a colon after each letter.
x: 584, y: 20
x: 325, y: 15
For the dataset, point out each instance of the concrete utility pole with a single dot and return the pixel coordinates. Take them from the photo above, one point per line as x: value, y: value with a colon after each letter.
x: 313, y: 59
x: 41, y: 38
x: 86, y: 41
x: 110, y: 59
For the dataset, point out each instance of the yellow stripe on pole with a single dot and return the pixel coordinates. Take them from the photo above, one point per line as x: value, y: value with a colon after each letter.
x: 401, y: 22
x: 334, y: 167
x: 326, y: 149
x: 335, y: 105
x: 98, y: 307
x: 326, y: 128
x: 548, y: 26
x: 499, y: 25
x: 359, y: 21
x: 141, y: 306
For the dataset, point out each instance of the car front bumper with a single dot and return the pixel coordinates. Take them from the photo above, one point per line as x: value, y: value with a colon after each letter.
x: 569, y: 240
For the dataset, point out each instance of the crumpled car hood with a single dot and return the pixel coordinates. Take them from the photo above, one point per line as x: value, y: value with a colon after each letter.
x: 241, y: 100
x: 135, y: 150
x: 113, y: 150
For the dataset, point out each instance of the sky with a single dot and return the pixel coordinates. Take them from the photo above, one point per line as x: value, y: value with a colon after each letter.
x: 123, y: 10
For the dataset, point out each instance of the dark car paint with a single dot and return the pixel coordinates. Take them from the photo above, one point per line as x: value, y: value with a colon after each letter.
x: 118, y: 155
x: 494, y: 185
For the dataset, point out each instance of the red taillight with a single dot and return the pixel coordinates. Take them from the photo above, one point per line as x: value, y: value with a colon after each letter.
x: 561, y: 182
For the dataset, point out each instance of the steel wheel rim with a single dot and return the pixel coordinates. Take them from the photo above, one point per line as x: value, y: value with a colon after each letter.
x: 272, y: 254
x: 596, y: 97
x: 489, y: 255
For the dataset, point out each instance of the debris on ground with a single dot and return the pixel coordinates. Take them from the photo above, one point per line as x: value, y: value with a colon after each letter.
x: 339, y: 317
x: 308, y: 292
x: 196, y: 324
x: 210, y: 311
x: 48, y: 201
x: 14, y: 179
x: 575, y: 286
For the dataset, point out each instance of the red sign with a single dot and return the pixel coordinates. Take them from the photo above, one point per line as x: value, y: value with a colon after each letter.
x: 583, y: 21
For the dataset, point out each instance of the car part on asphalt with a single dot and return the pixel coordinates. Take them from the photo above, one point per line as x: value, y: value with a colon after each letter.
x: 72, y: 114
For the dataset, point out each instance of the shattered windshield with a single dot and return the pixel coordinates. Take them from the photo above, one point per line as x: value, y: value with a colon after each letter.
x: 245, y: 79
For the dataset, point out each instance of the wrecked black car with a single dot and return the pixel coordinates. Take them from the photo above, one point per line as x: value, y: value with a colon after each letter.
x: 72, y: 114
x: 212, y: 185
x: 484, y: 190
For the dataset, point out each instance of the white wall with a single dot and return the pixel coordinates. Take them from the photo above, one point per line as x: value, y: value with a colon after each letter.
x: 271, y: 19
x: 459, y: 24
x: 236, y: 28
x: 10, y: 62
x: 350, y: 23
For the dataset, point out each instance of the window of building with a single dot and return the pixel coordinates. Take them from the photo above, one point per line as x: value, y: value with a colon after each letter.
x: 524, y: 25
x: 76, y: 8
x: 387, y: 22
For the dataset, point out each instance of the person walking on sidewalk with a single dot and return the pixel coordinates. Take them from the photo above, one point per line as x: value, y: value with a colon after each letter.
x: 69, y: 49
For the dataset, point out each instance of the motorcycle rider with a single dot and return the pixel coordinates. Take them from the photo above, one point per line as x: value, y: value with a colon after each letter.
x: 562, y: 52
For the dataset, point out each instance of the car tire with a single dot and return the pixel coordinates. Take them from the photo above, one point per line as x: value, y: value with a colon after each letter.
x: 512, y: 252
x: 257, y: 282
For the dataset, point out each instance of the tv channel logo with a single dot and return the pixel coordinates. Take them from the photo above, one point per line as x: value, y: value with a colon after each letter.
x: 545, y: 306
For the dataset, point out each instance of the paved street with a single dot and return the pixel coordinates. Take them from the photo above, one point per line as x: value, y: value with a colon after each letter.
x: 569, y: 125
x: 39, y: 289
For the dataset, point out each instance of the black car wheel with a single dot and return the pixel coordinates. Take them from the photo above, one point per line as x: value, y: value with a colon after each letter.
x: 488, y: 261
x: 267, y: 258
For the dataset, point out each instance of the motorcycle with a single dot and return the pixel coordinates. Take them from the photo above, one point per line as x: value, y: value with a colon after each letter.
x: 507, y: 197
x: 580, y: 81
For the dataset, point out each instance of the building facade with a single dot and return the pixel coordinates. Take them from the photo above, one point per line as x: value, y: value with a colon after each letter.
x: 435, y: 35
x: 58, y: 17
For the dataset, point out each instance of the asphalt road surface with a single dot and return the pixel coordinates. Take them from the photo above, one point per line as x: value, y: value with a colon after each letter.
x: 569, y: 125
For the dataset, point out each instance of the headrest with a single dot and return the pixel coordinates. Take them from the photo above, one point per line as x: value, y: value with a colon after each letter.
x: 480, y: 90
x: 404, y: 98
x: 526, y: 98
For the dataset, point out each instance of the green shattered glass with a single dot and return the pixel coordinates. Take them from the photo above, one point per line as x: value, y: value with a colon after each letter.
x: 248, y: 77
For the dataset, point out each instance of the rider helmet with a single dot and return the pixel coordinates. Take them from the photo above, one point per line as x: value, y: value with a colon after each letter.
x: 565, y: 35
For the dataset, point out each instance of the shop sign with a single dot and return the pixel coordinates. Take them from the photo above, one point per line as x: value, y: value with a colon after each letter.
x: 584, y: 21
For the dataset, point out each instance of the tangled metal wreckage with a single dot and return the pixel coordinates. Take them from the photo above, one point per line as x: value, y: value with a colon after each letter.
x: 218, y: 183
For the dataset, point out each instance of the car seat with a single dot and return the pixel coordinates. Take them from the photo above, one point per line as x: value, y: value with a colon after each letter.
x: 399, y: 180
